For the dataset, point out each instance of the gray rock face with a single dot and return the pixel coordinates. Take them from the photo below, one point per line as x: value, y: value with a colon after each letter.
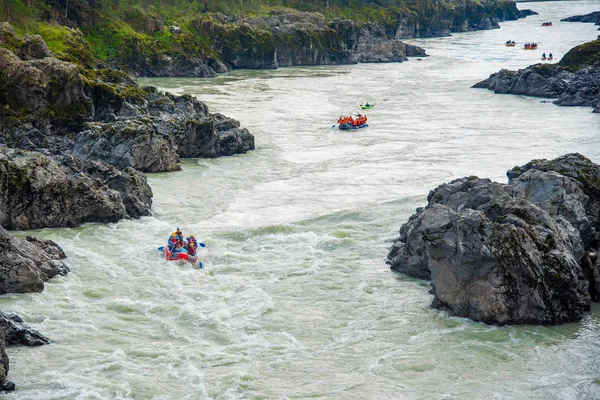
x: 295, y: 38
x: 508, y: 254
x: 41, y: 192
x: 26, y: 264
x: 499, y: 271
x: 531, y: 81
x: 566, y: 186
x: 593, y: 18
x: 14, y: 331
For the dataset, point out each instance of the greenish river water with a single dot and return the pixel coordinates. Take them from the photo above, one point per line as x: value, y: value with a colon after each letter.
x: 296, y: 300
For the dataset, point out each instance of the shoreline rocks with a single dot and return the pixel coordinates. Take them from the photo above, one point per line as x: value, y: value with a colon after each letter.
x: 24, y: 267
x: 27, y: 264
x: 593, y: 18
x: 48, y: 105
x: 508, y: 254
x: 43, y: 192
x: 14, y: 331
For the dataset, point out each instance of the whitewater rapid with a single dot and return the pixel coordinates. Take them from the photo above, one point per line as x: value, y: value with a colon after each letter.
x: 296, y: 300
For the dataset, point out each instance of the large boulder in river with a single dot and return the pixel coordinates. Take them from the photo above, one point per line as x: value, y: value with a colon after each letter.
x: 38, y: 191
x: 493, y: 256
x: 26, y: 264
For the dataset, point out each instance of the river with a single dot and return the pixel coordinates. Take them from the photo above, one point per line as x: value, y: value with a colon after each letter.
x: 295, y: 300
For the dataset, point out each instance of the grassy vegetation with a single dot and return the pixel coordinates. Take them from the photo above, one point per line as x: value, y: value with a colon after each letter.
x: 582, y: 55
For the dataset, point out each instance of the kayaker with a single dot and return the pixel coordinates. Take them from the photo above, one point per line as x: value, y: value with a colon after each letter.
x: 550, y: 55
x: 544, y: 55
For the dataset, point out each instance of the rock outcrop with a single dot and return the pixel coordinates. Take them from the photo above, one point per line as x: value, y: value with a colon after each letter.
x: 296, y: 38
x: 47, y: 105
x: 507, y: 254
x: 574, y: 81
x: 593, y: 18
x: 14, y: 331
x: 40, y: 192
x: 26, y: 264
x: 568, y: 186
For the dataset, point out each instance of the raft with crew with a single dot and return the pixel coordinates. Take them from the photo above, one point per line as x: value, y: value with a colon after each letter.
x: 350, y: 122
x: 178, y: 249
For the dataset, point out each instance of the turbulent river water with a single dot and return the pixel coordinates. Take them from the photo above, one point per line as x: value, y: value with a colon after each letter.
x: 296, y: 300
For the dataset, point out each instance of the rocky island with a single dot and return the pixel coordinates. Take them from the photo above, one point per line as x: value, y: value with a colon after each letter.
x: 509, y: 253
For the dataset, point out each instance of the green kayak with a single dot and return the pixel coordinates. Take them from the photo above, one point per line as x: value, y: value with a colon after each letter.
x: 367, y: 106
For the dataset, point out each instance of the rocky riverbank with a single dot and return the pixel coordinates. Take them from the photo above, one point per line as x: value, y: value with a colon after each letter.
x: 574, y: 81
x: 73, y: 142
x: 54, y: 106
x: 593, y: 18
x: 288, y: 37
x: 147, y: 41
x: 25, y: 266
x: 509, y: 253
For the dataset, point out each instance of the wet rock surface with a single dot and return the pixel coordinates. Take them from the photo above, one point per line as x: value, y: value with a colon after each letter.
x: 507, y: 254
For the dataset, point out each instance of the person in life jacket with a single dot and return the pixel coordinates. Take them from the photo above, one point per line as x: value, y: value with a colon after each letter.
x: 172, y: 242
x: 191, y: 245
x: 192, y: 240
x: 179, y: 236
